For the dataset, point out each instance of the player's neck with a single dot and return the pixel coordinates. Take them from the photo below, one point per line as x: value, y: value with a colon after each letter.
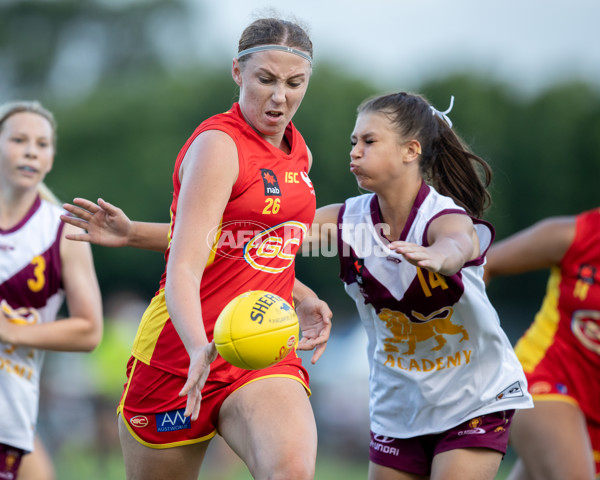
x: 14, y: 206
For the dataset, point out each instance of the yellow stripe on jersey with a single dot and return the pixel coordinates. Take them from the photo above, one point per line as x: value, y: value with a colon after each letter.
x: 532, y: 347
x: 213, y: 250
x: 170, y: 234
x: 152, y: 323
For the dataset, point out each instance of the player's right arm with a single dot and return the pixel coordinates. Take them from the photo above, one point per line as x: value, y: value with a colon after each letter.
x: 207, y: 173
x: 539, y: 246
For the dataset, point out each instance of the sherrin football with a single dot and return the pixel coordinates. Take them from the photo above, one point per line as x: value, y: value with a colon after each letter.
x: 256, y: 329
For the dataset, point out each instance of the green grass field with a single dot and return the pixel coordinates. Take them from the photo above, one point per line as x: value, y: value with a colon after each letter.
x: 75, y: 465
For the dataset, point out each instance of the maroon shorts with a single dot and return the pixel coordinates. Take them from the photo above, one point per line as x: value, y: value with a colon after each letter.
x: 153, y: 410
x: 415, y: 455
x: 10, y: 460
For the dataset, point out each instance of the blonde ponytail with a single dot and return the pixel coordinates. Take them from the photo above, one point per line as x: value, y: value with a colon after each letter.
x: 47, y: 194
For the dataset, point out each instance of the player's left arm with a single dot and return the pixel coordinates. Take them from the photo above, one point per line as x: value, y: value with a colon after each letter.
x: 314, y: 317
x: 452, y: 242
x: 323, y: 231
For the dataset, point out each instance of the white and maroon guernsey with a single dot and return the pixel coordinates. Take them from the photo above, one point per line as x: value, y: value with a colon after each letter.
x: 437, y: 354
x: 30, y: 293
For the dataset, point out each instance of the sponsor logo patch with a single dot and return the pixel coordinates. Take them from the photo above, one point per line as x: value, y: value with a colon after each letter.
x: 474, y: 428
x: 139, y: 421
x: 511, y: 391
x: 383, y: 439
x: 171, y: 421
x: 539, y: 388
x: 270, y: 182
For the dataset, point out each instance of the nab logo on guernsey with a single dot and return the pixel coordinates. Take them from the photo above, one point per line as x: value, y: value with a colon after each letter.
x: 171, y: 421
x: 270, y: 182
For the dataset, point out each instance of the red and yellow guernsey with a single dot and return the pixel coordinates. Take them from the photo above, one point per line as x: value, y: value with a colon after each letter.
x: 560, y: 352
x: 271, y: 206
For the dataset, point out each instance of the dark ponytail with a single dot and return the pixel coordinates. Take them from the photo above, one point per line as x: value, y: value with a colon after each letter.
x: 446, y: 162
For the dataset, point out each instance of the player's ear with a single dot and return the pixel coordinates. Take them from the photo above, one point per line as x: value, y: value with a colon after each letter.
x: 413, y: 149
x: 236, y: 72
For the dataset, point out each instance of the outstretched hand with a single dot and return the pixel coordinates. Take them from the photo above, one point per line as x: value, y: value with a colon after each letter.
x: 314, y: 317
x: 419, y: 255
x: 104, y: 224
x: 200, y: 360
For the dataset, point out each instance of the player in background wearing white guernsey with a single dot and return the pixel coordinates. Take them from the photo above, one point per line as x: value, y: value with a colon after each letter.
x: 444, y: 379
x: 239, y: 171
x: 560, y: 351
x: 38, y: 269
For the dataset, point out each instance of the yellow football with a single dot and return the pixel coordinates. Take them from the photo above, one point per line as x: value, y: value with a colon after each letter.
x: 256, y: 330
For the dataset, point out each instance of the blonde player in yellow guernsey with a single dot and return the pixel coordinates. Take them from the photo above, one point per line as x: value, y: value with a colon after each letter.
x: 560, y: 438
x: 39, y: 268
x: 241, y: 206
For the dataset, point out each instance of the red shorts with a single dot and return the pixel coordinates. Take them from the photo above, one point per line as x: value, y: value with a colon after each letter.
x: 545, y: 386
x: 415, y: 455
x: 562, y: 374
x: 153, y: 410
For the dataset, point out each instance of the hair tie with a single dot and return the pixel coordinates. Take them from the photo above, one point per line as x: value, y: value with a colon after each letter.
x: 444, y: 115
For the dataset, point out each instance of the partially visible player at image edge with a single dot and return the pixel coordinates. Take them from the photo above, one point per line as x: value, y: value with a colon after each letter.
x: 39, y: 268
x: 560, y: 351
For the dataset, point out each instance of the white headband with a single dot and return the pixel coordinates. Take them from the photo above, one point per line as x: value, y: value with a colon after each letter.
x: 444, y: 115
x: 281, y: 48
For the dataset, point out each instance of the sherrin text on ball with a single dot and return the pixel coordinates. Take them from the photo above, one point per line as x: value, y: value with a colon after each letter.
x: 256, y: 329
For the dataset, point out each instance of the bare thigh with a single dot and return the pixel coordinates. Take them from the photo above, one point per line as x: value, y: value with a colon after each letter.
x: 458, y: 464
x: 270, y: 424
x: 38, y: 464
x: 145, y: 463
x: 552, y: 442
x: 466, y: 464
x: 379, y: 472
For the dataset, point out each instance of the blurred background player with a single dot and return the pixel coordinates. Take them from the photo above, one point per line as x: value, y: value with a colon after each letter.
x: 38, y: 269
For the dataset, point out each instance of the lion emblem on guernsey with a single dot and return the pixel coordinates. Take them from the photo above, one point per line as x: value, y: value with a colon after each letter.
x: 436, y: 326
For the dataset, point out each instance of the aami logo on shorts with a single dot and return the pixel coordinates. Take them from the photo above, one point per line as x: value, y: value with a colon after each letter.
x: 270, y: 182
x: 171, y: 421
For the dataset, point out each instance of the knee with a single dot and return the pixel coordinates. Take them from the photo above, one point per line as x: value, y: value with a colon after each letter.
x: 296, y: 469
x: 288, y: 467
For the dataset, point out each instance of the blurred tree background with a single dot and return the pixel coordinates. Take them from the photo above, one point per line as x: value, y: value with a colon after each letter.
x: 126, y: 101
x: 125, y: 104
